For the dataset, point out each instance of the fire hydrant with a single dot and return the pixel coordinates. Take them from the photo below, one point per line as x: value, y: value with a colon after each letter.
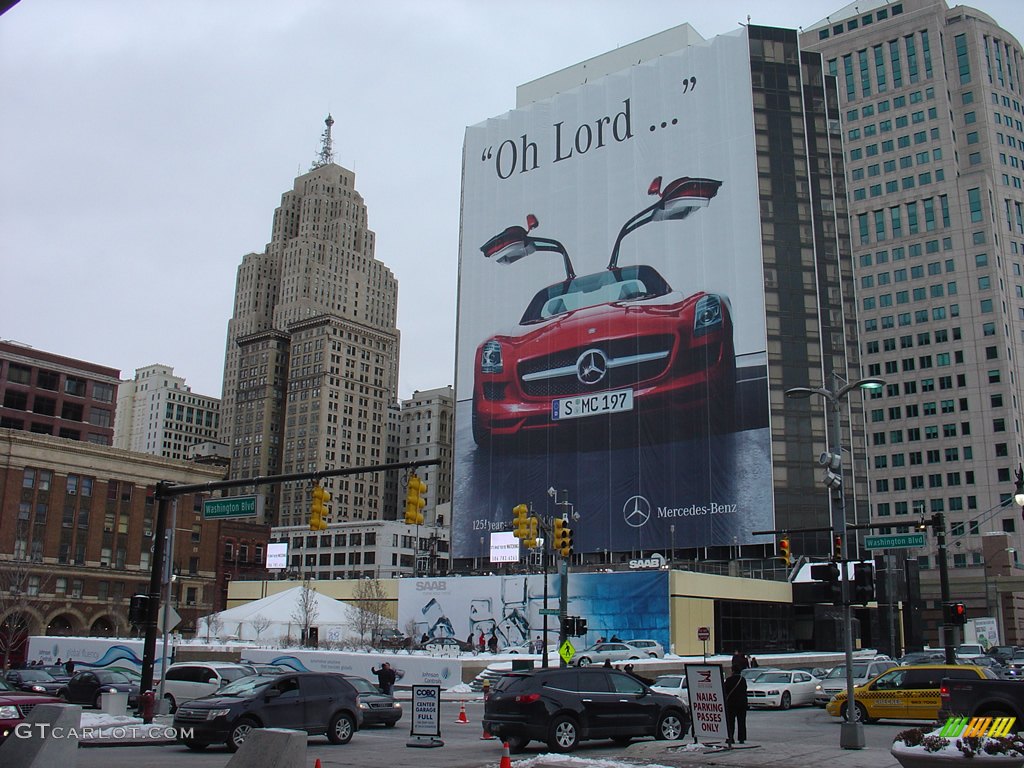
x: 147, y: 702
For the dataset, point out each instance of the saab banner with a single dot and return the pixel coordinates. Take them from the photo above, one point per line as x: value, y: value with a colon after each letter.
x: 611, y: 332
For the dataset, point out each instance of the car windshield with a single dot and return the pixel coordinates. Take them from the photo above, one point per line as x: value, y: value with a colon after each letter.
x: 108, y: 677
x: 362, y: 685
x: 670, y: 681
x: 5, y: 686
x: 773, y: 677
x: 245, y: 685
x: 859, y: 670
x: 622, y: 284
x: 36, y: 676
x: 231, y: 674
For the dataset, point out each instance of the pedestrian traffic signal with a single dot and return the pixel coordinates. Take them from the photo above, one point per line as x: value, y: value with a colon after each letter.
x: 830, y: 589
x: 863, y: 583
x: 520, y: 521
x: 414, y: 501
x: 563, y: 537
x: 833, y: 477
x: 318, y: 509
x: 955, y: 613
x: 138, y: 609
x: 837, y: 548
x: 784, y: 552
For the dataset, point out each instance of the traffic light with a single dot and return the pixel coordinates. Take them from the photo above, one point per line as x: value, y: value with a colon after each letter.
x: 138, y: 609
x: 833, y: 477
x: 955, y: 613
x: 520, y: 521
x: 318, y: 509
x: 831, y: 588
x: 530, y: 542
x: 563, y: 537
x: 863, y: 583
x: 414, y: 501
x: 574, y: 626
x: 837, y: 548
x: 784, y: 552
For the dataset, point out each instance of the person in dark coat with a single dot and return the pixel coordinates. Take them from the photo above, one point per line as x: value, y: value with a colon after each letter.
x: 492, y: 643
x: 739, y: 660
x: 69, y: 666
x: 735, y: 689
x: 385, y: 677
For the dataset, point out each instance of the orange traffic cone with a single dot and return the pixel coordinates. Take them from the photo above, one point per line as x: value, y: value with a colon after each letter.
x: 506, y: 758
x: 317, y: 763
x: 487, y: 735
x: 463, y: 720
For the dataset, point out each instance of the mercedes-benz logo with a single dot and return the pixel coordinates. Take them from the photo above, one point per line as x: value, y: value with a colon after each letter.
x: 636, y: 511
x: 591, y: 366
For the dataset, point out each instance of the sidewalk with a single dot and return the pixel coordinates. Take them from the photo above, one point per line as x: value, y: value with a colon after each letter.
x: 768, y: 755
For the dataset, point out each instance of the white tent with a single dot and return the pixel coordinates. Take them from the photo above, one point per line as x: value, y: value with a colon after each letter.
x: 278, y: 618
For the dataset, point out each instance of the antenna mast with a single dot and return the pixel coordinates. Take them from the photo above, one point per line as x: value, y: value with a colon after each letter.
x: 326, y: 154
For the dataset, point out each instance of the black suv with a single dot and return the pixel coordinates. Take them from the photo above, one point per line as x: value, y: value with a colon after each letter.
x: 315, y: 702
x: 566, y: 706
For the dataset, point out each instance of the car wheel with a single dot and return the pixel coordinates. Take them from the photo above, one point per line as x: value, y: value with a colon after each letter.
x: 994, y: 713
x: 196, y: 746
x: 653, y: 655
x: 564, y: 735
x: 671, y: 727
x: 390, y: 724
x: 341, y: 729
x: 861, y: 713
x: 516, y: 744
x: 584, y: 661
x: 239, y: 732
x: 172, y: 705
x: 787, y: 700
x: 634, y: 658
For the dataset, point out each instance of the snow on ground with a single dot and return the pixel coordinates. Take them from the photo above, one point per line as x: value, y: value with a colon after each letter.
x: 98, y: 726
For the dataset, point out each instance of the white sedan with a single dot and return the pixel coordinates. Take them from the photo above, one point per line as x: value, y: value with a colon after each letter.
x: 600, y: 652
x: 674, y: 685
x: 651, y: 648
x: 781, y: 689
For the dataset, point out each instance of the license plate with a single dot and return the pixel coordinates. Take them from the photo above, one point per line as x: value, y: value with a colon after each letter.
x: 591, y: 405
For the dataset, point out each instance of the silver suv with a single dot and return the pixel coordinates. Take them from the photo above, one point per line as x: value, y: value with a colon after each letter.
x: 835, y: 681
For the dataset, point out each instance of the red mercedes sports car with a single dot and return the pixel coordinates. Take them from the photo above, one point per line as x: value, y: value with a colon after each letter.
x: 609, y: 344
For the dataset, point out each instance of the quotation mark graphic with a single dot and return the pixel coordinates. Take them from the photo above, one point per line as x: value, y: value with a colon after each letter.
x: 689, y: 83
x: 485, y: 155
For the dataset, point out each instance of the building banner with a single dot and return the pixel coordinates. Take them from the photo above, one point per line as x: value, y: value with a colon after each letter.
x: 611, y: 332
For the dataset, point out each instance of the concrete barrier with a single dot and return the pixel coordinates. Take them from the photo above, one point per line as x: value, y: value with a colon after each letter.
x: 271, y: 748
x: 47, y: 738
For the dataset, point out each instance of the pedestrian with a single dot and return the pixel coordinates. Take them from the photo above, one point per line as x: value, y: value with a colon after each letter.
x: 59, y: 662
x: 69, y: 666
x: 481, y: 642
x: 739, y: 660
x: 616, y: 639
x: 735, y: 690
x: 424, y: 639
x: 492, y: 643
x: 385, y: 677
x: 753, y: 662
x: 607, y: 663
x: 538, y: 645
x: 601, y: 639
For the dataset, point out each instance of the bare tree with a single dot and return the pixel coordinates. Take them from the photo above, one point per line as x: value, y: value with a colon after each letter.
x: 260, y: 624
x: 372, y: 602
x: 306, y: 611
x: 23, y: 579
x: 214, y: 624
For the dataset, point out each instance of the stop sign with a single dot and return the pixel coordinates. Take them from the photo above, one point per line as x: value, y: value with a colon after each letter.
x: 703, y: 633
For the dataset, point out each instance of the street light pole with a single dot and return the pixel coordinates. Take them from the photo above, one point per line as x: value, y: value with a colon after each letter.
x: 851, y: 734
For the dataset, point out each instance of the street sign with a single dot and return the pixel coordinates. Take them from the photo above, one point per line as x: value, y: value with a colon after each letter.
x: 899, y: 541
x: 232, y: 506
x: 566, y: 651
x: 548, y: 611
x: 173, y: 619
x: 703, y: 634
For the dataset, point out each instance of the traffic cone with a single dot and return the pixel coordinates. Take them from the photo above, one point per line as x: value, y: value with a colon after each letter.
x: 506, y: 758
x: 463, y: 720
x: 487, y: 735
x: 317, y: 763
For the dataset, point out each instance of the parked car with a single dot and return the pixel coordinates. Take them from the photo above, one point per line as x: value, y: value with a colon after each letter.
x: 674, y: 685
x: 271, y: 669
x: 392, y: 639
x: 651, y: 648
x: 34, y: 680
x: 187, y: 680
x: 905, y: 693
x: 970, y: 650
x: 781, y: 689
x: 88, y: 686
x: 378, y: 708
x: 619, y: 344
x: 970, y: 697
x: 599, y: 652
x: 565, y: 706
x: 57, y: 672
x: 1002, y: 652
x: 835, y: 681
x: 315, y: 702
x: 933, y: 656
x: 15, y: 706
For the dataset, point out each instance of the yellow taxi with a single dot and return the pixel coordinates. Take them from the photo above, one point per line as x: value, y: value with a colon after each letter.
x: 903, y: 693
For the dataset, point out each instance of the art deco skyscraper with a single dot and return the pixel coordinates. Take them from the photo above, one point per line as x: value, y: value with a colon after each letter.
x: 311, y: 364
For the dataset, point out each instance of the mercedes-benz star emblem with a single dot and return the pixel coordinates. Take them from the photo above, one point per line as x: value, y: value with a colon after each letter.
x: 636, y: 511
x: 591, y: 366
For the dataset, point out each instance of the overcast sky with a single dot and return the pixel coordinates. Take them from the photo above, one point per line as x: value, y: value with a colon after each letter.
x: 144, y: 146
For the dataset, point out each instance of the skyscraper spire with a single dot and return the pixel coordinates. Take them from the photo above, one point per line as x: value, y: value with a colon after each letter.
x: 326, y: 148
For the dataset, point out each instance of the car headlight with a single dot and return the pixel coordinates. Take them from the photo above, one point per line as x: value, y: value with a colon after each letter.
x: 38, y: 689
x: 396, y: 705
x: 213, y: 714
x: 817, y: 687
x: 111, y: 690
x: 363, y: 705
x: 490, y: 357
x: 708, y: 315
x: 773, y: 693
x: 9, y: 713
